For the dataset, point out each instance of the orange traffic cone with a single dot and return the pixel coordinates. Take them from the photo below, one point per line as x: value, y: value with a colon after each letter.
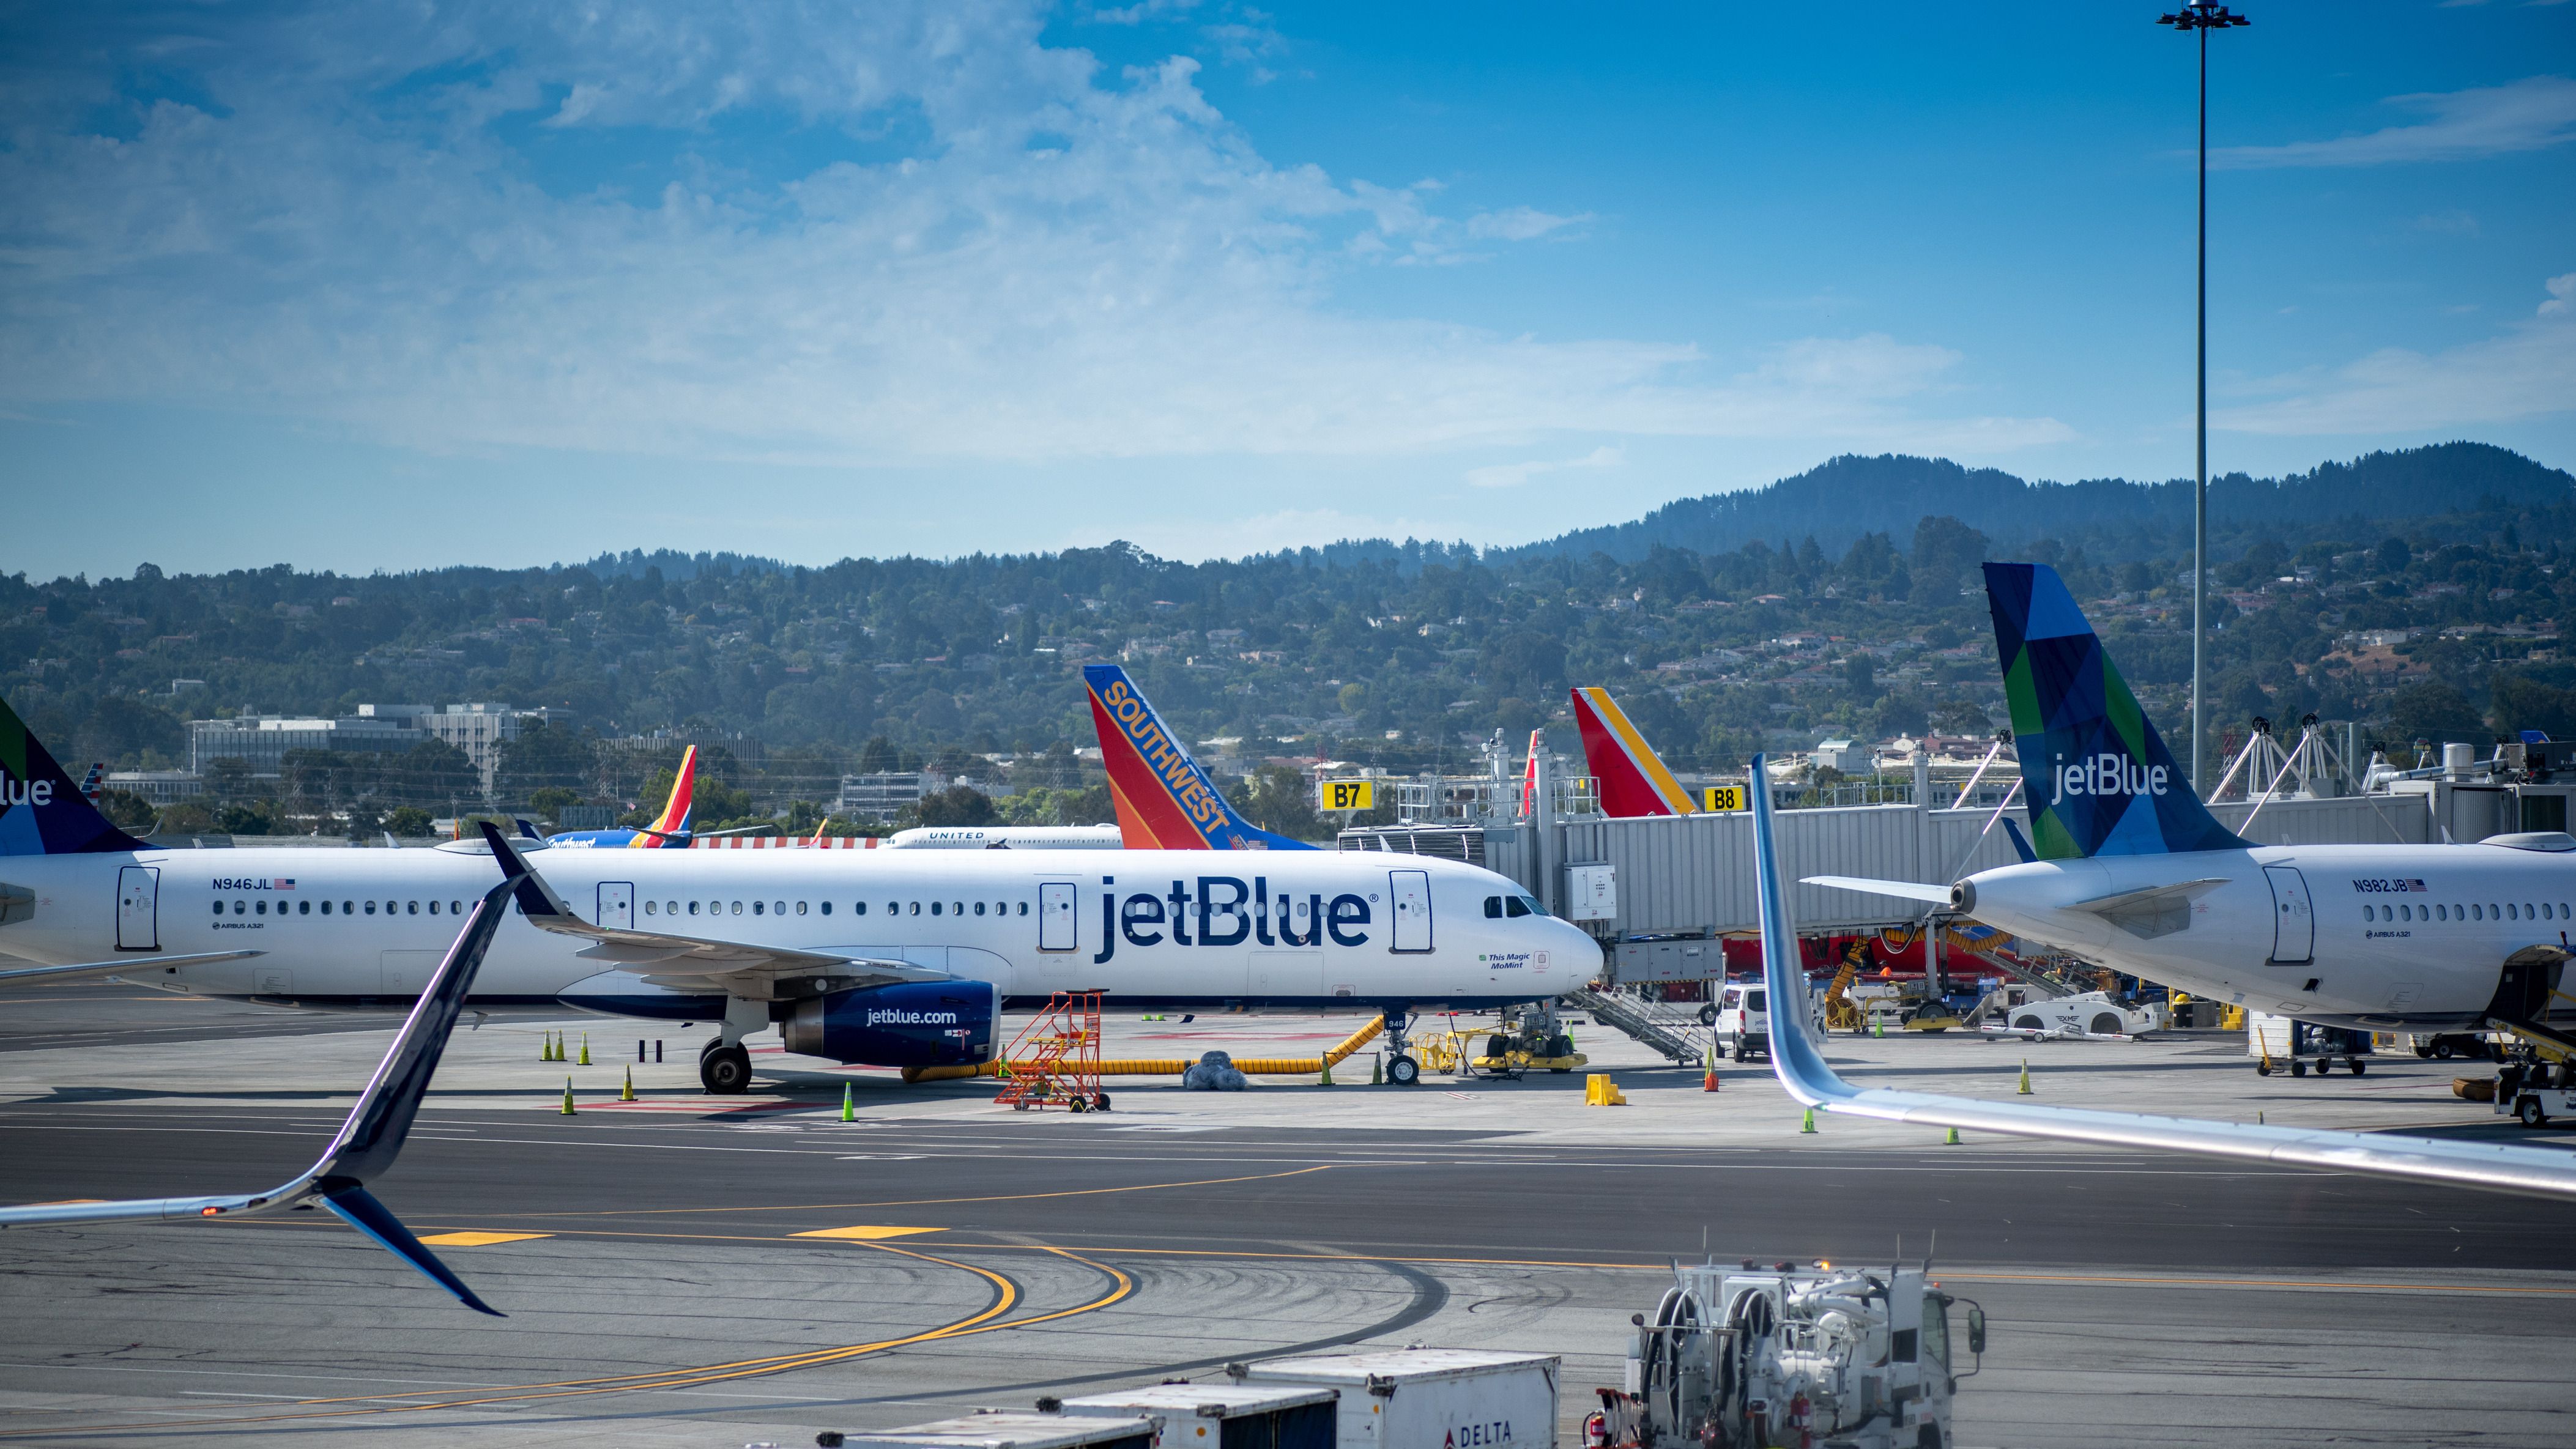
x: 1709, y: 1082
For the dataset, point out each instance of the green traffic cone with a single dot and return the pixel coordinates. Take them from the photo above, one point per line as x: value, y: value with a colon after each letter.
x: 1882, y: 1029
x: 567, y: 1106
x: 1810, y: 1124
x: 585, y: 1049
x: 628, y: 1095
x: 1377, y: 1072
x: 1952, y: 1140
x: 849, y: 1113
x: 2024, y: 1089
x: 1326, y: 1079
x: 546, y: 1047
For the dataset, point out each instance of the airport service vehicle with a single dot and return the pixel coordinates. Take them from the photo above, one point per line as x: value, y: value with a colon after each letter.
x: 2287, y: 1044
x: 2085, y: 1014
x: 889, y: 958
x: 2535, y: 1092
x: 1751, y: 1357
x: 2132, y: 872
x: 367, y: 1142
x: 1427, y: 1398
x: 1802, y: 1070
x: 1164, y: 800
x: 1741, y: 1018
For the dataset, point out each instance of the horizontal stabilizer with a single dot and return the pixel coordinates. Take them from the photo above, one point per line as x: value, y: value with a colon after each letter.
x: 130, y: 966
x: 1802, y: 1070
x: 1901, y: 889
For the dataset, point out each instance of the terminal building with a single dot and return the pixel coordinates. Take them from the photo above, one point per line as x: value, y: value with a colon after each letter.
x: 262, y: 742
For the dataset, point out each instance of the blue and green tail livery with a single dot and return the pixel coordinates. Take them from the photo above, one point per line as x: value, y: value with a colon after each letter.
x: 2097, y: 778
x: 42, y: 812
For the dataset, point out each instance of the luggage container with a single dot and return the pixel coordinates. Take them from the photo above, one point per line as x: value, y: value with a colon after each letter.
x: 1222, y: 1416
x: 1429, y: 1398
x: 994, y: 1429
x: 2276, y: 1042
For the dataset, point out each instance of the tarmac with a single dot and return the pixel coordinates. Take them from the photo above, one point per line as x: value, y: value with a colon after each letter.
x: 686, y: 1270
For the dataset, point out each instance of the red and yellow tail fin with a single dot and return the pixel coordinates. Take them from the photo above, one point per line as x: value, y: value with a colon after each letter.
x: 1632, y: 779
x: 674, y: 819
x: 1164, y: 800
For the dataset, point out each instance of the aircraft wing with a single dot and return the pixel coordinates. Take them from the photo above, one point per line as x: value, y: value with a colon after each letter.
x: 368, y: 1142
x: 2533, y: 1172
x: 131, y: 965
x: 1901, y: 889
x: 700, y: 964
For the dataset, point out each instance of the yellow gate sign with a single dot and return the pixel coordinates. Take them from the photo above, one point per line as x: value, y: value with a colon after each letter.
x: 1722, y: 797
x: 1350, y: 794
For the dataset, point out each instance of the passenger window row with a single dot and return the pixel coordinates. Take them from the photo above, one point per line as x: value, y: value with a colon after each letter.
x: 2509, y: 911
x: 857, y: 908
x: 346, y: 908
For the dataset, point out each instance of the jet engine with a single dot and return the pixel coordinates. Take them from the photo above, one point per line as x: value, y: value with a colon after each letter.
x: 908, y: 1024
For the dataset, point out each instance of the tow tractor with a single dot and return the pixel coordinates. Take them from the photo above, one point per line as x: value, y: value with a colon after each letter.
x: 1813, y: 1357
x: 2534, y: 1091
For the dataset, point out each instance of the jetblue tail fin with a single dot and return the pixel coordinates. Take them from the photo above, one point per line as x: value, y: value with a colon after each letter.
x: 42, y: 812
x: 1631, y: 776
x: 1165, y: 801
x: 2096, y: 777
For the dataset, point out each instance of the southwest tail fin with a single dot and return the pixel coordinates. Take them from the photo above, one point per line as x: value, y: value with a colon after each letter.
x: 1165, y: 801
x: 671, y: 827
x: 42, y: 812
x: 1631, y: 777
x: 2096, y: 777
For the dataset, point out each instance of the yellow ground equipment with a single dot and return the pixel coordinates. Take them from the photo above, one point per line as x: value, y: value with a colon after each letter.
x: 1515, y: 1049
x: 1841, y: 1012
x: 1167, y: 1067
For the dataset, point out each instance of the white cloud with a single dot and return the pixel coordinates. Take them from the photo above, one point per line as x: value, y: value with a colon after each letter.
x: 2529, y: 370
x: 1513, y: 475
x: 1020, y: 258
x: 2527, y: 115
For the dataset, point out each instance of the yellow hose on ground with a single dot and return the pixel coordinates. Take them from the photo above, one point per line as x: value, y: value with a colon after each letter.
x: 1173, y: 1067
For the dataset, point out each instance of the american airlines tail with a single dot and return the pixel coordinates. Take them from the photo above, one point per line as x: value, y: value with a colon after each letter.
x: 2095, y: 775
x: 1164, y: 800
x: 1631, y: 777
x: 42, y: 812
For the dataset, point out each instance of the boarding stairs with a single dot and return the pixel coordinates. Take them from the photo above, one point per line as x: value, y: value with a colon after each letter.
x: 1669, y: 1027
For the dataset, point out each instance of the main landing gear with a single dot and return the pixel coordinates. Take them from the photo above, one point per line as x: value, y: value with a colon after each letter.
x: 725, y: 1071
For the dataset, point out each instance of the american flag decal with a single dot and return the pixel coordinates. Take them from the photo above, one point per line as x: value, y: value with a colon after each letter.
x: 284, y: 885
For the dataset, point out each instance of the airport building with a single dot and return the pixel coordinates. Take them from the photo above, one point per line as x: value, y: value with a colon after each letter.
x: 262, y: 742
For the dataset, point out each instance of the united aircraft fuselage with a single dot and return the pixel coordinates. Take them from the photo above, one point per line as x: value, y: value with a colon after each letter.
x: 1174, y: 926
x: 2386, y: 936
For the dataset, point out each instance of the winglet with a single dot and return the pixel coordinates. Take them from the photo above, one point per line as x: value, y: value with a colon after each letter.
x: 1794, y: 1058
x: 540, y: 905
x: 373, y: 1135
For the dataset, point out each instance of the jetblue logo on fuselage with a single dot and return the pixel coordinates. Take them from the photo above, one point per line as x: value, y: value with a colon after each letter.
x: 2106, y: 774
x: 1228, y: 911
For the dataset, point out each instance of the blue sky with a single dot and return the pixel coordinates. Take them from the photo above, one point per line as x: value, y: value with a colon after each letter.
x: 378, y: 287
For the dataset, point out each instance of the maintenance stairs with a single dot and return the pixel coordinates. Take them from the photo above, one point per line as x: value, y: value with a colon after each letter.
x: 1669, y: 1027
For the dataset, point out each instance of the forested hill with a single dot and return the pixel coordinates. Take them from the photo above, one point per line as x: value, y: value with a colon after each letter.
x: 1839, y: 501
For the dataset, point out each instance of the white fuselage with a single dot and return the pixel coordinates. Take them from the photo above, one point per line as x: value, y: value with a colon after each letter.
x: 2386, y: 936
x: 1333, y: 927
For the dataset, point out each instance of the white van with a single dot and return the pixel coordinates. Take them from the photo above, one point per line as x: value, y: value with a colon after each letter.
x: 1741, y: 1017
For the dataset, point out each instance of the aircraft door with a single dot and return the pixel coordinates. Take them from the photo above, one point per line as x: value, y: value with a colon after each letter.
x: 138, y: 908
x: 2294, y: 920
x: 1411, y: 892
x: 1055, y: 915
x: 617, y: 905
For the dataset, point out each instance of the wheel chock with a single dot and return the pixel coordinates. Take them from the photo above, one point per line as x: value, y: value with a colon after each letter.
x: 567, y: 1106
x: 1809, y: 1125
x: 849, y: 1112
x: 2024, y: 1089
x: 585, y: 1049
x: 628, y: 1095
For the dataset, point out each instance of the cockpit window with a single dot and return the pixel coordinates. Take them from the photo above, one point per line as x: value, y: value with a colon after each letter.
x: 1493, y: 908
x: 1516, y: 905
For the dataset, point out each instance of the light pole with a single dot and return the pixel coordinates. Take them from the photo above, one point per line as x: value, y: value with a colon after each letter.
x: 2199, y: 18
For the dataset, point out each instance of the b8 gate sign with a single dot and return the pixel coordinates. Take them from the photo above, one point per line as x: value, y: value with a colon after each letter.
x: 1349, y: 794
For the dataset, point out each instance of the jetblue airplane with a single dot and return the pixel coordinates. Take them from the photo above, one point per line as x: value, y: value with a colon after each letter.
x: 888, y: 958
x: 2132, y: 872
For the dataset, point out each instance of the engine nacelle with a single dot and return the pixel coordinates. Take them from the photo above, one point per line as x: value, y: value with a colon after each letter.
x: 908, y: 1024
